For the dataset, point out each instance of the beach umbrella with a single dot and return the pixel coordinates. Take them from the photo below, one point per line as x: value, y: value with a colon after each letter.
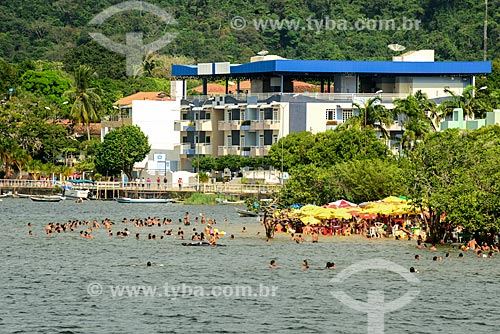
x: 394, y: 199
x: 310, y: 220
x: 342, y: 203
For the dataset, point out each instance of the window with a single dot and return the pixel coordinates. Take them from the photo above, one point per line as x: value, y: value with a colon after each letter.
x: 346, y: 114
x: 185, y: 139
x: 207, y: 139
x: 330, y: 114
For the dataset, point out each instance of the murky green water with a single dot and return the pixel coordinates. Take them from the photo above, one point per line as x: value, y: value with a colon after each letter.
x: 45, y: 281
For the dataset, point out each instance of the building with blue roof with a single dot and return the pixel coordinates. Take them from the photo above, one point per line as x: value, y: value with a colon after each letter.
x: 248, y: 122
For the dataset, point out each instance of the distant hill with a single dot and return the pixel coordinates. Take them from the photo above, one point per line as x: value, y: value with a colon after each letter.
x: 57, y: 30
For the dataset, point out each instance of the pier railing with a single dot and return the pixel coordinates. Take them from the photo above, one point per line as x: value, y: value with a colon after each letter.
x: 217, y: 187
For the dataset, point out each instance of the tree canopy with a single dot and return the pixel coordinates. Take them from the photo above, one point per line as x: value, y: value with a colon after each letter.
x: 121, y: 148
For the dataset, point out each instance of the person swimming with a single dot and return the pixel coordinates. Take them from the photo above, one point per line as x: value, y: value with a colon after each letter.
x: 330, y: 265
x: 305, y: 265
x: 273, y: 265
x: 148, y: 264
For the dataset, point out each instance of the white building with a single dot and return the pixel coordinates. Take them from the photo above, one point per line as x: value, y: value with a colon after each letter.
x: 154, y: 113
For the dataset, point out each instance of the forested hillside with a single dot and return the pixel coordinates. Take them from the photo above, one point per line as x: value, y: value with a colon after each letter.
x: 57, y: 30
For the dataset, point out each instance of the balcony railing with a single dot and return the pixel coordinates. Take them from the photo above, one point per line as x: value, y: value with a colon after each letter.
x: 203, y: 149
x: 247, y: 151
x: 204, y: 125
x: 345, y: 97
x: 229, y: 125
x: 181, y: 125
x: 267, y: 124
x: 186, y: 148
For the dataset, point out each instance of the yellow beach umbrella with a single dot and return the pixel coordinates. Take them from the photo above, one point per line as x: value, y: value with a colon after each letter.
x: 310, y: 220
x: 393, y: 199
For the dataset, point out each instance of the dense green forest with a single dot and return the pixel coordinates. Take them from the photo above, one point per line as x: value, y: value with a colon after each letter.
x: 58, y: 30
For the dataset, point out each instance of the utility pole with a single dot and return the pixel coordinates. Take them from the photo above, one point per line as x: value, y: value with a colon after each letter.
x: 485, y: 36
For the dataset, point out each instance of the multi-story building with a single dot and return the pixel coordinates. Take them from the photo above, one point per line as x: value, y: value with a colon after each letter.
x: 248, y: 124
x: 155, y: 113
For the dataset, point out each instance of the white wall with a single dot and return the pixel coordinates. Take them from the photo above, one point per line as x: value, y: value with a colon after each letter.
x: 316, y: 116
x: 156, y: 120
x: 434, y: 86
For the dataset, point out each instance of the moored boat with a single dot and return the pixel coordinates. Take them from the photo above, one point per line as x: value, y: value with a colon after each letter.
x: 246, y: 213
x: 55, y: 198
x: 142, y: 200
x: 226, y: 201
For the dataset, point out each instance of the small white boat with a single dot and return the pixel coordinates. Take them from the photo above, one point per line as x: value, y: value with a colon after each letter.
x: 47, y: 198
x: 246, y: 213
x: 142, y: 200
x: 226, y: 201
x: 17, y: 195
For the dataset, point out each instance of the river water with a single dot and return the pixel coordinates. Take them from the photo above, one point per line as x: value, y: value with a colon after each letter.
x: 68, y: 284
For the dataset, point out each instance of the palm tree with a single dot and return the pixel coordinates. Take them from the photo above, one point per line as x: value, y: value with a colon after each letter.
x: 417, y: 111
x: 371, y: 115
x: 20, y: 158
x: 86, y: 102
x: 467, y: 101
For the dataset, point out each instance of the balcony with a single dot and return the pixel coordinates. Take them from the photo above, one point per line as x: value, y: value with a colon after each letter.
x: 229, y: 125
x: 186, y: 149
x: 115, y: 121
x: 184, y: 125
x: 245, y: 151
x: 260, y: 151
x: 204, y: 125
x: 203, y: 149
x: 228, y: 150
x: 394, y: 127
x: 268, y: 124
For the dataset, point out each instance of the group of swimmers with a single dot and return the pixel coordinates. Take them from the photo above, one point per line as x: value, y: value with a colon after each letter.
x: 209, y: 233
x: 299, y: 239
x: 305, y: 265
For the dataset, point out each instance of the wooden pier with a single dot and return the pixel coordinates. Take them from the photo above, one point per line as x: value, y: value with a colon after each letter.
x: 110, y: 190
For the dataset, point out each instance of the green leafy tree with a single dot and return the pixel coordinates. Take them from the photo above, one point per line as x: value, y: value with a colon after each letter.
x: 455, y: 173
x: 207, y: 163
x: 309, y: 184
x: 48, y: 84
x: 335, y: 146
x: 120, y: 150
x: 295, y: 150
x: 233, y: 162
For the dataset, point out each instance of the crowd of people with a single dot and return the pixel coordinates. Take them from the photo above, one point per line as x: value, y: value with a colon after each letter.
x: 207, y: 231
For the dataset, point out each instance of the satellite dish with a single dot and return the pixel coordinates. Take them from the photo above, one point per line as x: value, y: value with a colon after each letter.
x: 396, y: 47
x: 263, y: 53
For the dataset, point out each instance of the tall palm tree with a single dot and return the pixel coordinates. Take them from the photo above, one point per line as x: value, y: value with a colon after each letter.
x: 467, y: 101
x: 371, y: 114
x: 20, y: 158
x: 86, y: 101
x: 416, y: 110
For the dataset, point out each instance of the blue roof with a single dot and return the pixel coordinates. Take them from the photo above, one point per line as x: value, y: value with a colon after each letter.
x: 330, y: 67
